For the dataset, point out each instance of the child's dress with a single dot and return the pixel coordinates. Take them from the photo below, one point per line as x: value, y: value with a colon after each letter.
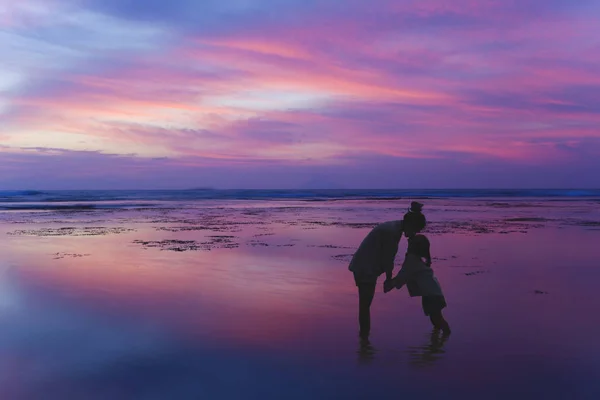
x: 421, y: 282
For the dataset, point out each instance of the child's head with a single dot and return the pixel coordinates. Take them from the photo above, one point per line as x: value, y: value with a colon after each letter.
x: 419, y: 245
x: 414, y: 221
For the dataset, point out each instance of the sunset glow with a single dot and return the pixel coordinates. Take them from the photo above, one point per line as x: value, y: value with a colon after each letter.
x: 151, y: 94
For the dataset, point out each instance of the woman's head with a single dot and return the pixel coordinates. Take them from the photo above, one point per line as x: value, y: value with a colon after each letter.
x: 419, y: 245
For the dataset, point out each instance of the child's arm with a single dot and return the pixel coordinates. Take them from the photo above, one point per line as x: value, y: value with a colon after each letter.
x: 397, y: 282
x: 400, y: 279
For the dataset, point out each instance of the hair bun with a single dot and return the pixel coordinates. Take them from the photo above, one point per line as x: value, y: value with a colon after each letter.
x: 416, y: 207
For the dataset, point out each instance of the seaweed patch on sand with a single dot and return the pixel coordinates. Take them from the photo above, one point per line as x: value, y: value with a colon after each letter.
x: 475, y: 273
x: 479, y: 227
x: 71, y: 231
x: 213, y: 228
x: 172, y: 245
x: 527, y: 219
x: 257, y: 243
x: 221, y: 242
x: 205, y: 223
x: 59, y: 256
x: 329, y: 246
x: 308, y: 224
x: 343, y: 257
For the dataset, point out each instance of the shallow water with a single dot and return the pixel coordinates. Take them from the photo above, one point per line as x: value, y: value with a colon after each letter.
x: 252, y: 299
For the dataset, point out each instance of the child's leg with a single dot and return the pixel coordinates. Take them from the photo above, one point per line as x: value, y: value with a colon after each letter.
x: 433, y: 306
x: 438, y: 321
x: 445, y: 325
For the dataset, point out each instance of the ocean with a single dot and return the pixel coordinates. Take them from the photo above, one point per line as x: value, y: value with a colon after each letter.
x: 35, y: 199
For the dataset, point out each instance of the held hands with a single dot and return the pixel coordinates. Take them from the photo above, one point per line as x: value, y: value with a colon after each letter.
x: 388, y: 285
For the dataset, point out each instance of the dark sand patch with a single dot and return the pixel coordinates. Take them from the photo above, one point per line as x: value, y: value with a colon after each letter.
x: 254, y: 212
x: 527, y: 219
x: 262, y: 227
x: 511, y: 205
x: 71, y: 231
x: 539, y: 292
x: 479, y: 227
x: 587, y: 223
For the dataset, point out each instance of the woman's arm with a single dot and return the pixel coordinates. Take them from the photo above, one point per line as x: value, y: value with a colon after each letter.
x: 388, y: 251
x: 389, y: 258
x: 401, y: 279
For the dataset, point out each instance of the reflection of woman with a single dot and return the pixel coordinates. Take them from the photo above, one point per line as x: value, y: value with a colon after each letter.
x: 366, y: 353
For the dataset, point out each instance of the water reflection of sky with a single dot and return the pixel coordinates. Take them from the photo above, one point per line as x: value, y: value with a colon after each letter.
x: 279, y: 322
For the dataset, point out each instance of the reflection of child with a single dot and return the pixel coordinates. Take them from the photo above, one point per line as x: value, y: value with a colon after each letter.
x: 418, y: 277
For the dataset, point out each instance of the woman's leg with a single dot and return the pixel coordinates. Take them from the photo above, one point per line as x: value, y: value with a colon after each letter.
x: 366, y: 292
x: 433, y: 322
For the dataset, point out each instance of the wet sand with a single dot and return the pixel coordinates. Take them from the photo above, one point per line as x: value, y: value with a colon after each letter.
x: 247, y: 299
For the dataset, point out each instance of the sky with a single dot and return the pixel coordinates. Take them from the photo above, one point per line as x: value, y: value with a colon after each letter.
x: 132, y: 94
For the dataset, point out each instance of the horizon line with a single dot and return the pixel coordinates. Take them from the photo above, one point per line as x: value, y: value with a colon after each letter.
x: 288, y: 189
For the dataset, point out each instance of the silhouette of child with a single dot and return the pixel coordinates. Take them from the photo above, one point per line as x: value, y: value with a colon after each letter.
x: 416, y: 273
